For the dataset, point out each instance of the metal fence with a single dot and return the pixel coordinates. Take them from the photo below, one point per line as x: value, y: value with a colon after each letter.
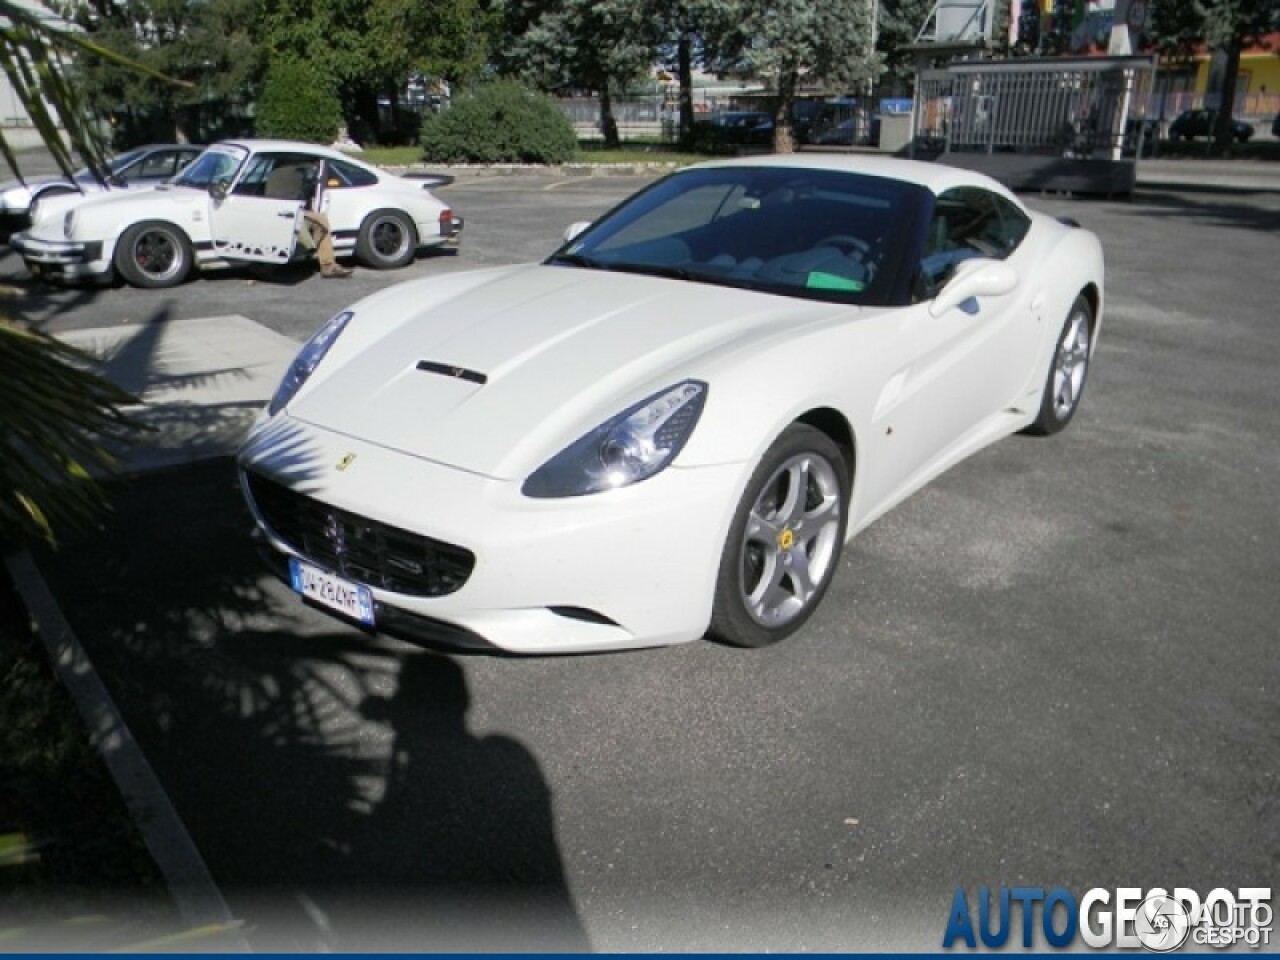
x: 1074, y: 108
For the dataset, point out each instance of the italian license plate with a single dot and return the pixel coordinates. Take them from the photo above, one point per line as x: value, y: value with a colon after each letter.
x: 330, y: 591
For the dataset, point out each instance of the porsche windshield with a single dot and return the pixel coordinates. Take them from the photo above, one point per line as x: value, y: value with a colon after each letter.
x: 818, y: 234
x: 216, y: 165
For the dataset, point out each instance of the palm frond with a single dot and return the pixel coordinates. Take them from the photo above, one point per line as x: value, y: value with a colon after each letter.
x: 32, y: 51
x: 59, y: 419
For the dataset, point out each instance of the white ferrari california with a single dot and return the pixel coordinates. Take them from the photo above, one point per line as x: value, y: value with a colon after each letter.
x: 670, y: 427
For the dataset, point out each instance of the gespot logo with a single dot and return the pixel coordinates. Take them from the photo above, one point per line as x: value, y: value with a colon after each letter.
x: 1127, y: 918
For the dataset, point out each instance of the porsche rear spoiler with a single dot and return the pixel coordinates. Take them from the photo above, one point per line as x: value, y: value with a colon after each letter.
x: 429, y: 180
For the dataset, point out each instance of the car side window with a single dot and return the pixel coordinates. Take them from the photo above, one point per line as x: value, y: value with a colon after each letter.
x: 280, y: 176
x: 967, y: 222
x: 162, y: 163
x: 343, y: 175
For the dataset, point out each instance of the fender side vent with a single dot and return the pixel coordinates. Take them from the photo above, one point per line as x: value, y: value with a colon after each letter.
x: 583, y: 614
x: 447, y: 370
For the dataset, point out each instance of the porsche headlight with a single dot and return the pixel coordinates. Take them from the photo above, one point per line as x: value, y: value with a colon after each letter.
x: 626, y: 449
x: 308, y: 358
x: 69, y: 224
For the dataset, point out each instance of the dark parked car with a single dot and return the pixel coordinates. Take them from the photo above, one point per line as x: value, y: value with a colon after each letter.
x: 849, y: 132
x: 730, y: 132
x: 1275, y: 126
x: 1199, y: 123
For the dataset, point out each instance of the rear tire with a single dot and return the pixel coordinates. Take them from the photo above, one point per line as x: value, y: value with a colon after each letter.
x: 785, y: 541
x: 154, y: 255
x: 1068, y: 372
x: 387, y: 240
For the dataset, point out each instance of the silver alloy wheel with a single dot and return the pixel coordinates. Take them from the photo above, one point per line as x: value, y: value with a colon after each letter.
x: 790, y: 540
x: 388, y: 237
x: 158, y: 254
x: 1070, y: 364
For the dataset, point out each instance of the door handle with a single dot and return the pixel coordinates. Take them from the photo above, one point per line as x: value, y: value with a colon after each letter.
x: 285, y: 214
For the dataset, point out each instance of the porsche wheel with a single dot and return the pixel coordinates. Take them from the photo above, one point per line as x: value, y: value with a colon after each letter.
x: 153, y: 255
x: 785, y: 541
x: 1069, y: 371
x: 387, y: 240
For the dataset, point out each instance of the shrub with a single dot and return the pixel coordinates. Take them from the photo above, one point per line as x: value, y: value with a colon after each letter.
x: 499, y: 122
x: 298, y: 102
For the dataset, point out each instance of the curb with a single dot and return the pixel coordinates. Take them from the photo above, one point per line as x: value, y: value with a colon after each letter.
x: 199, y: 902
x: 1249, y: 180
x: 465, y: 171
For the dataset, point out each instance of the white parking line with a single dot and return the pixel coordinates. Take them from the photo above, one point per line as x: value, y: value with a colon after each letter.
x: 196, y: 896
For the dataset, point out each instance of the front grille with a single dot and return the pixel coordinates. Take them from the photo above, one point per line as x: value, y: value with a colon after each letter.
x: 358, y: 548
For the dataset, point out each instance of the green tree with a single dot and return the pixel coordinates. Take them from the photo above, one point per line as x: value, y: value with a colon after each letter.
x: 898, y: 24
x: 499, y: 122
x: 298, y: 103
x: 691, y: 33
x: 370, y: 48
x: 1223, y: 26
x: 785, y: 43
x: 206, y: 44
x: 601, y: 46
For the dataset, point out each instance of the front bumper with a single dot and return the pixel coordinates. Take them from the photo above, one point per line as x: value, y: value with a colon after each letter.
x: 634, y: 567
x: 68, y: 258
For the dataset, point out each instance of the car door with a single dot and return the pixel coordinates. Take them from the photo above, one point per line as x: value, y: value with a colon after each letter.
x: 966, y: 362
x: 246, y: 225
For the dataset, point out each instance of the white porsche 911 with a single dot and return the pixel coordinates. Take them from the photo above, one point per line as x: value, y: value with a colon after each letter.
x: 670, y: 427
x: 238, y: 202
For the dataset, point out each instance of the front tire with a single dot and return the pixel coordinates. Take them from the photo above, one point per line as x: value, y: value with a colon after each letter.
x: 154, y: 255
x: 387, y: 240
x: 1069, y: 371
x: 785, y: 541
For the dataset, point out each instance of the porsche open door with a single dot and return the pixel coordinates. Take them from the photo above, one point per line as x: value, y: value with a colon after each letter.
x: 257, y: 229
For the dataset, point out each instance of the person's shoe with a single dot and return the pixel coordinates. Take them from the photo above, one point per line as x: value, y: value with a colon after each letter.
x: 335, y: 271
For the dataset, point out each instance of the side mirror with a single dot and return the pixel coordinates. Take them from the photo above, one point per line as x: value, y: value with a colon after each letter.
x: 975, y: 278
x: 218, y: 190
x: 117, y: 181
x: 574, y: 229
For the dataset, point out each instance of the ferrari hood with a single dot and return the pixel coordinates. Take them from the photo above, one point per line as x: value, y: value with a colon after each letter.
x: 505, y: 370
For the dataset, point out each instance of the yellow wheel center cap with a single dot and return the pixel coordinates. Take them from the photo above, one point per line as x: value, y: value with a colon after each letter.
x: 786, y: 539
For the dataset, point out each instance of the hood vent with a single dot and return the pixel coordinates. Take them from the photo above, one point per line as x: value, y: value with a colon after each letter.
x: 448, y: 370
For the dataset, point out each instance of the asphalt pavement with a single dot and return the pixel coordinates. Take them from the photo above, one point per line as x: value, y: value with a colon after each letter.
x: 1052, y: 667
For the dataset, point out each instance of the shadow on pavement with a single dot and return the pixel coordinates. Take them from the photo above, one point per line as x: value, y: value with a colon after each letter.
x: 327, y: 777
x: 1211, y: 210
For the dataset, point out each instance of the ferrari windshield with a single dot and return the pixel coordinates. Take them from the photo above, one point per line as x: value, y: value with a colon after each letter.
x: 217, y: 164
x: 819, y: 234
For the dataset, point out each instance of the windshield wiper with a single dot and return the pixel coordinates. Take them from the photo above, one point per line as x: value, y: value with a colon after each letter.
x: 665, y: 271
x: 579, y: 260
x: 657, y: 270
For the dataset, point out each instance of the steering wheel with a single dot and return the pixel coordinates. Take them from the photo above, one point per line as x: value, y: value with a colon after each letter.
x: 847, y: 244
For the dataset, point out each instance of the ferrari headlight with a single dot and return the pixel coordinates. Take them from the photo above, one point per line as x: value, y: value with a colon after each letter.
x: 308, y: 358
x: 631, y: 447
